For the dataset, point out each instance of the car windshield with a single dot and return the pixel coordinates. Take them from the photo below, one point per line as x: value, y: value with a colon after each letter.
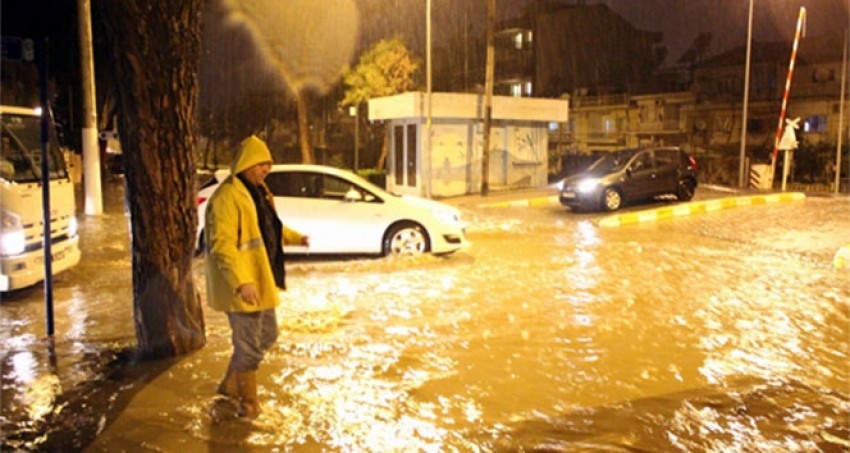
x: 611, y: 162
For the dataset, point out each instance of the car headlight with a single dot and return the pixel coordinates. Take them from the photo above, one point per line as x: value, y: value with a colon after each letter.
x: 448, y: 217
x: 72, y: 226
x: 11, y: 234
x: 587, y: 185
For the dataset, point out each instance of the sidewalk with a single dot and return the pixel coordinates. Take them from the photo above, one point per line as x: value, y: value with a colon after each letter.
x: 509, y: 195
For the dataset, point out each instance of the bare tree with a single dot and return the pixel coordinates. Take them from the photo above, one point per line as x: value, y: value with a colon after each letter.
x: 306, y: 43
x: 155, y: 49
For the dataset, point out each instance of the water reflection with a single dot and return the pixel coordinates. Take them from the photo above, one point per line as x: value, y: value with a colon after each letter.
x: 549, y: 334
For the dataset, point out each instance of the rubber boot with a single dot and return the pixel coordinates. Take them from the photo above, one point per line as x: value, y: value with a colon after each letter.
x: 249, y: 407
x: 228, y: 386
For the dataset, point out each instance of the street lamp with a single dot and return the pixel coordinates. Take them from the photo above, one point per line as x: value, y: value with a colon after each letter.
x: 741, y: 166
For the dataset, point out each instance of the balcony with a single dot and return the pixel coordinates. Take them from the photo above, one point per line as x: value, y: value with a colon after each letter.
x: 599, y: 101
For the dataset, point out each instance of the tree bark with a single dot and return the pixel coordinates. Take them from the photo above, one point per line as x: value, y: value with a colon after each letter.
x: 382, y: 158
x: 155, y: 50
x: 304, y: 129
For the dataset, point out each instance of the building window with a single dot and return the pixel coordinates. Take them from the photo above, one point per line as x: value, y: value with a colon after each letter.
x: 756, y: 126
x: 815, y: 123
x: 823, y: 75
x: 522, y: 40
x: 398, y: 154
x: 516, y: 90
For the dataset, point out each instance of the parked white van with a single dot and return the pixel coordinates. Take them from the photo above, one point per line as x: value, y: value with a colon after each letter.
x: 21, y: 204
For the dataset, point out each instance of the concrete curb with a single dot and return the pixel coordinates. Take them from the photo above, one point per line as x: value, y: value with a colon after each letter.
x: 539, y: 201
x: 652, y: 215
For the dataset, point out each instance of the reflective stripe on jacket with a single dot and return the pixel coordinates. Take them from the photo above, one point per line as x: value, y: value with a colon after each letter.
x: 235, y: 250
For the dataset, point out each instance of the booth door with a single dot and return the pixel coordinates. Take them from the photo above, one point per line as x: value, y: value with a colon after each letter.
x: 405, y: 161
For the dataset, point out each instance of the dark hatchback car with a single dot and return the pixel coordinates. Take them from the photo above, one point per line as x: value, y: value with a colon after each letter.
x: 630, y: 175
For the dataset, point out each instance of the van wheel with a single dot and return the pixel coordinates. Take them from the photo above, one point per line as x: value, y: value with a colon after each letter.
x: 405, y: 239
x: 612, y: 199
x: 685, y: 189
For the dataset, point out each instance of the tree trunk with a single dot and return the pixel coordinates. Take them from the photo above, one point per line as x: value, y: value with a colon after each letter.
x: 155, y: 55
x: 382, y: 158
x: 304, y: 129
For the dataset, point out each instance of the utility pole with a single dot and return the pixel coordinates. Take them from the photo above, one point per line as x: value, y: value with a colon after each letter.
x: 91, y: 152
x: 841, y: 115
x: 743, y: 154
x: 488, y: 98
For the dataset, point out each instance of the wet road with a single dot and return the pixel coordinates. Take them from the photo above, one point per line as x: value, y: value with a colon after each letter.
x: 724, y: 331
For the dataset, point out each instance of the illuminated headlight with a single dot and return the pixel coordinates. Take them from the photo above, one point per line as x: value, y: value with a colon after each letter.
x: 72, y: 226
x: 11, y: 235
x: 448, y: 217
x: 588, y: 185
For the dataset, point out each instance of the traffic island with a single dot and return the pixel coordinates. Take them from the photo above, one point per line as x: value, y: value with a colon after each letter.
x: 681, y: 210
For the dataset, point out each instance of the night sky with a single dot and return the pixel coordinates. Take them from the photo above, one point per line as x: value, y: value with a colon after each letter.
x: 682, y: 20
x: 679, y: 20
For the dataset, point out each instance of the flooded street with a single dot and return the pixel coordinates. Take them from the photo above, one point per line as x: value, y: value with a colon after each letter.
x: 723, y: 331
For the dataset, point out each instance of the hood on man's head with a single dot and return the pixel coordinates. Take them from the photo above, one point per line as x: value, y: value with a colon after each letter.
x: 252, y: 151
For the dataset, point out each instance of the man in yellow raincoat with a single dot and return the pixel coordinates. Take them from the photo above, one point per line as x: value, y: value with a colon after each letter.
x: 245, y: 267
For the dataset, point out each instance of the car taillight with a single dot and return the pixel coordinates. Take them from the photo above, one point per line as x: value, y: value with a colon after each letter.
x: 201, y: 200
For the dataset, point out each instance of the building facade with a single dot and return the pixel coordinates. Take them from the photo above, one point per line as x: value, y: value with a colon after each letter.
x: 627, y: 99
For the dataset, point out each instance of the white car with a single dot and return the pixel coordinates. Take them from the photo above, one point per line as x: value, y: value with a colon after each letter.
x: 343, y: 213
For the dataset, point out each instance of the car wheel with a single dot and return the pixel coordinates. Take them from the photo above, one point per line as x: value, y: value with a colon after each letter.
x: 685, y: 190
x: 612, y: 199
x: 199, y: 247
x: 405, y: 239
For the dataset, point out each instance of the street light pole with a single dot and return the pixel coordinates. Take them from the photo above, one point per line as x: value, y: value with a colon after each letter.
x: 488, y: 99
x: 429, y: 89
x: 741, y: 167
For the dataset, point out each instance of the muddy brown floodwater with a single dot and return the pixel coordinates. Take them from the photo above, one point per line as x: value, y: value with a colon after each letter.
x: 723, y: 331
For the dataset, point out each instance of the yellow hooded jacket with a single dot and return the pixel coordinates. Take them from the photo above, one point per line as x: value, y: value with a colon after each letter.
x: 235, y: 251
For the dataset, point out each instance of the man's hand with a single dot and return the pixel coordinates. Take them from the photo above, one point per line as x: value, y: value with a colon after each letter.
x: 249, y: 294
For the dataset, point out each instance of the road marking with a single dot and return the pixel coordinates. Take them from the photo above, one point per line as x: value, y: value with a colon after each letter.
x: 539, y: 201
x: 696, y: 207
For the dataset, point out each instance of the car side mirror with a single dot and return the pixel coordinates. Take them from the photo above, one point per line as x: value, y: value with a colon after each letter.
x: 629, y: 171
x: 352, y: 195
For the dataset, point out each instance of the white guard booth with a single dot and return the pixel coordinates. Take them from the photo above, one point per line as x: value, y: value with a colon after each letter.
x: 451, y: 163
